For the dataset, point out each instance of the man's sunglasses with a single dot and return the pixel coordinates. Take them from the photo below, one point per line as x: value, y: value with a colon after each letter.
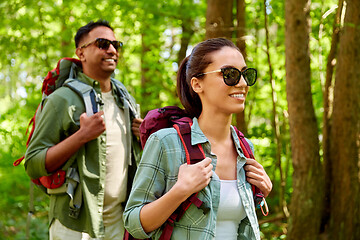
x: 232, y: 75
x: 104, y: 43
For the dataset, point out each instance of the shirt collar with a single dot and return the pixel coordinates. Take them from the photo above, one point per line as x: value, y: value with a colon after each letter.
x: 88, y: 80
x: 197, y: 136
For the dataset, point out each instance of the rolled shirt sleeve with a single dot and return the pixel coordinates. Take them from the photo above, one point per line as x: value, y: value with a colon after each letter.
x: 53, y: 123
x: 155, y: 176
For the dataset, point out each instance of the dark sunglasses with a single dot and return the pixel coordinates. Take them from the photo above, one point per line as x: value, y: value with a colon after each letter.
x: 232, y: 75
x: 104, y: 43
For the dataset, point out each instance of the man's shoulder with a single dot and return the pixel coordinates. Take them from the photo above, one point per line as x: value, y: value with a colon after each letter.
x: 63, y: 92
x: 121, y: 90
x: 63, y: 97
x: 119, y: 84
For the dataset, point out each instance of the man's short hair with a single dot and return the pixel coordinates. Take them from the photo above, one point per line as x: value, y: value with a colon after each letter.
x: 84, y: 30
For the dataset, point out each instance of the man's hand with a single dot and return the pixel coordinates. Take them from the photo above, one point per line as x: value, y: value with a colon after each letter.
x: 93, y: 126
x: 256, y: 175
x: 90, y: 128
x: 135, y: 126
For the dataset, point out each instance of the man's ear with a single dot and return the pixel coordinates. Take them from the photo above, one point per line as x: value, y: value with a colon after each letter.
x: 196, y: 85
x: 80, y: 53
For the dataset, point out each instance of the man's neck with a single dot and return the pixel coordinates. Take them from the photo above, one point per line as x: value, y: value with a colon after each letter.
x: 103, y: 80
x: 105, y: 86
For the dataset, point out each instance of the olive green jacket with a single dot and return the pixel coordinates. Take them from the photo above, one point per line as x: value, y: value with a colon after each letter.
x: 57, y: 119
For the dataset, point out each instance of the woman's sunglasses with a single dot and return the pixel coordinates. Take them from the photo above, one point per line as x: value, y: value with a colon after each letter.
x: 232, y: 75
x: 104, y: 43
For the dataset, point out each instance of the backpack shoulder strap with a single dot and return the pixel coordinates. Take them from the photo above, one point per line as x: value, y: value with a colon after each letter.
x: 194, y: 153
x: 244, y: 144
x: 259, y: 198
x: 87, y: 93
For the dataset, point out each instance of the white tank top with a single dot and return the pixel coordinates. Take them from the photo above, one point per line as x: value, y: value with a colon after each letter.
x: 231, y: 211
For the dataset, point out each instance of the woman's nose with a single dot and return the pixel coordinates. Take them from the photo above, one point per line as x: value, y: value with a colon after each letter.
x: 242, y: 82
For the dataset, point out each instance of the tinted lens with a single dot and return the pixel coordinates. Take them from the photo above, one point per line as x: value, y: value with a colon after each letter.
x: 250, y: 76
x: 103, y: 43
x: 231, y: 76
x: 116, y: 45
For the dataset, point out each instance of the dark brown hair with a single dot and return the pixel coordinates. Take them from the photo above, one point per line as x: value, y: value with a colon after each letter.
x: 84, y: 30
x: 193, y: 65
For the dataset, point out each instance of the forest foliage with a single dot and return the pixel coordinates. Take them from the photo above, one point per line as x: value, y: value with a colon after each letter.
x: 34, y: 35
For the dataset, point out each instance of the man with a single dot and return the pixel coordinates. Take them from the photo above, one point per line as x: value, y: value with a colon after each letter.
x: 104, y: 145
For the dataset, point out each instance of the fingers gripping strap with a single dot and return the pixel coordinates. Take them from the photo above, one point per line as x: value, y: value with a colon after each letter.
x: 193, y: 154
x: 259, y: 198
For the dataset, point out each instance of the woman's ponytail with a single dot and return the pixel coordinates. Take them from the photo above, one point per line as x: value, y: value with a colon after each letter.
x: 189, y: 99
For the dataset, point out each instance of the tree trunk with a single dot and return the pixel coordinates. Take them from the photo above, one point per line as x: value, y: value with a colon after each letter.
x: 240, y: 43
x: 327, y: 99
x: 241, y: 27
x: 219, y: 19
x: 307, y: 177
x: 345, y: 191
x: 187, y: 31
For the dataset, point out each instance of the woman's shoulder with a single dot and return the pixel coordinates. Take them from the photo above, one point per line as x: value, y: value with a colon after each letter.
x: 165, y: 134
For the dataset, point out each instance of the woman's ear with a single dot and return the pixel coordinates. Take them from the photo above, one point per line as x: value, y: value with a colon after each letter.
x: 196, y: 85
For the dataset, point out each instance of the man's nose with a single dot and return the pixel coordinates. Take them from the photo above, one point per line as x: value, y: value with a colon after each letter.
x: 112, y: 49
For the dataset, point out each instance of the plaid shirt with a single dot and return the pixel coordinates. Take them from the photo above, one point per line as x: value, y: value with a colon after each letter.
x: 157, y: 173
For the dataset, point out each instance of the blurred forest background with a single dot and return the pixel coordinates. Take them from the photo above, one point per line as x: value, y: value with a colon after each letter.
x: 303, y: 114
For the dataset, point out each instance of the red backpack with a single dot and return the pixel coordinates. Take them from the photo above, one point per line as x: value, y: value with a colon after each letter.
x: 176, y: 117
x: 61, y: 75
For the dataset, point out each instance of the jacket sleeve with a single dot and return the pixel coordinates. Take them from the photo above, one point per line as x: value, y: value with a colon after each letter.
x: 54, y: 121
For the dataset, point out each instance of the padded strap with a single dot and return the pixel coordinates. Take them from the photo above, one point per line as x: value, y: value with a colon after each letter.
x: 194, y: 153
x: 87, y: 93
x: 259, y: 198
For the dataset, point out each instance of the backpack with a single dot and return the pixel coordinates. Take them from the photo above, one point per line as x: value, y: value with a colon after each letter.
x: 62, y: 75
x: 176, y: 117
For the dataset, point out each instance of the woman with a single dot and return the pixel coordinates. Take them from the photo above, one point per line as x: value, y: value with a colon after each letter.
x: 211, y: 87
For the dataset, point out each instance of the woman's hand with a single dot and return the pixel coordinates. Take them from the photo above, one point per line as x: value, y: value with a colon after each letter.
x: 256, y: 175
x: 193, y: 178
